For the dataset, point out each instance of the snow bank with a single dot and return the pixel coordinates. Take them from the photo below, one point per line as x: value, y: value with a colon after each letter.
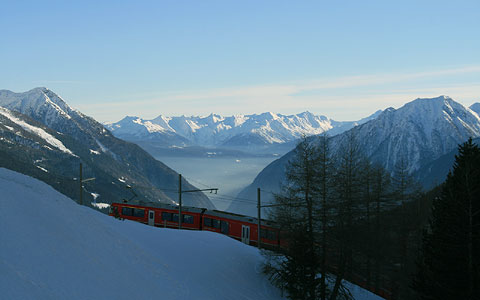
x: 53, y: 248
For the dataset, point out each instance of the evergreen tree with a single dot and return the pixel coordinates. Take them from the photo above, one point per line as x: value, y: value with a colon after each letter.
x: 380, y: 186
x: 449, y: 265
x: 295, y: 213
x: 348, y: 204
x: 303, y: 212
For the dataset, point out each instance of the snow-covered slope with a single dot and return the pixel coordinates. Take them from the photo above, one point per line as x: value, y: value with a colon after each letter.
x: 9, y: 117
x: 476, y: 108
x: 53, y: 248
x: 233, y: 131
x: 417, y: 133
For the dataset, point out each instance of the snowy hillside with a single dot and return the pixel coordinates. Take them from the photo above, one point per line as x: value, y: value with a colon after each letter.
x: 233, y: 131
x: 53, y: 248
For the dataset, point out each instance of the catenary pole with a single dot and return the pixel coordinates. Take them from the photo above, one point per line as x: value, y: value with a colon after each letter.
x: 81, y: 183
x: 179, y: 201
x: 259, y: 207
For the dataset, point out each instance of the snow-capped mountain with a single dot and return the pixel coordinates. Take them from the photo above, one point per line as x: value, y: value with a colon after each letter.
x: 240, y: 132
x: 476, y: 108
x: 43, y: 137
x: 417, y: 133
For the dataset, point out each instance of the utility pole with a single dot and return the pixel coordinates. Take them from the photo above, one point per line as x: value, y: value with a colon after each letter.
x: 81, y: 181
x: 259, y: 207
x: 81, y: 185
x: 180, y: 192
x: 179, y: 201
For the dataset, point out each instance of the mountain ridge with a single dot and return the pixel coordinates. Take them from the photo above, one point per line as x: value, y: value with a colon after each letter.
x: 113, y: 162
x: 418, y: 132
x: 251, y: 133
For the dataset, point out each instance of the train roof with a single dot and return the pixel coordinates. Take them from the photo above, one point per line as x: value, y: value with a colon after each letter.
x: 234, y: 216
x: 161, y: 205
x: 216, y: 213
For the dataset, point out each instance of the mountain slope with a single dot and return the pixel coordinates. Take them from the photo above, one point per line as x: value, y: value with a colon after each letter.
x: 435, y: 172
x: 113, y: 162
x: 418, y: 133
x: 476, y: 108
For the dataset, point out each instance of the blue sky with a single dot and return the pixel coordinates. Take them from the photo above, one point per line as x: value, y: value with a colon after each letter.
x: 343, y: 59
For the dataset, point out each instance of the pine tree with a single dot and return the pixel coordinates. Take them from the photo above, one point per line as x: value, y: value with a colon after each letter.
x: 303, y: 212
x: 295, y: 212
x: 449, y: 265
x: 380, y: 187
x: 349, y: 187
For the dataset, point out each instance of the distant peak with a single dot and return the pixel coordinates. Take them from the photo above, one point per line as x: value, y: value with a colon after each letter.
x: 306, y: 113
x: 129, y: 119
x: 439, y: 98
x: 39, y: 89
x: 268, y: 115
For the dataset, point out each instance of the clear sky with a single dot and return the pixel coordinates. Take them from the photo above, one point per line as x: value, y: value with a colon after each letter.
x: 342, y: 59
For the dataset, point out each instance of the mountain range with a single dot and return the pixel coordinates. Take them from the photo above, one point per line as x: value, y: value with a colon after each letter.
x: 418, y: 133
x: 255, y: 134
x: 41, y: 136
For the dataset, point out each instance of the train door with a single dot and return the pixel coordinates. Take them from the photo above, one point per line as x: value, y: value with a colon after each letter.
x: 151, y: 218
x: 246, y: 234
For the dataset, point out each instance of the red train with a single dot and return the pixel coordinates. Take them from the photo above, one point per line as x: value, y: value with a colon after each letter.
x: 242, y: 228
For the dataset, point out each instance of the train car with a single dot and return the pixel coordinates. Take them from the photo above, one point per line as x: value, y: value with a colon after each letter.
x: 158, y: 214
x: 239, y: 227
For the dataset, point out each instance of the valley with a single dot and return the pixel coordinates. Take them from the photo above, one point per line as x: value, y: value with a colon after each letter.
x: 230, y: 175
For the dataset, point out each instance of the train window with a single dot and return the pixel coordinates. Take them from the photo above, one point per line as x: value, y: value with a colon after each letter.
x: 216, y: 223
x: 166, y: 216
x: 224, y: 227
x: 271, y: 235
x: 263, y: 233
x: 140, y: 213
x: 268, y: 234
x: 127, y: 211
x: 207, y: 222
x: 175, y: 218
x: 187, y: 219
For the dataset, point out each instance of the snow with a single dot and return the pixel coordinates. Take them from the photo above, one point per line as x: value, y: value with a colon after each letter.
x: 106, y: 150
x: 35, y: 130
x: 94, y: 152
x: 46, y: 171
x: 9, y: 128
x: 214, y: 130
x: 52, y: 248
x: 100, y: 205
x: 56, y: 107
